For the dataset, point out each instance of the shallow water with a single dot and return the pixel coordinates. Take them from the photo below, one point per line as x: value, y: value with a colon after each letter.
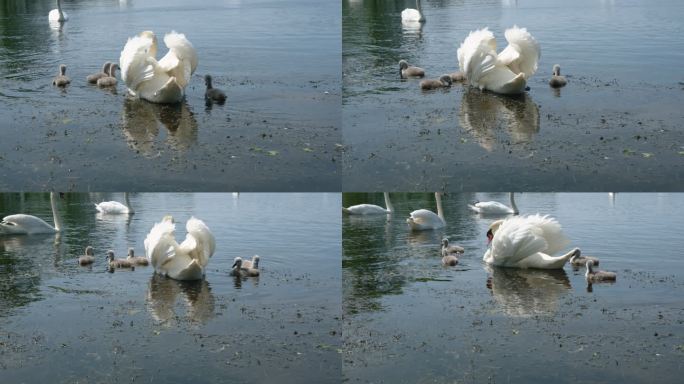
x: 408, y: 319
x: 89, y: 325
x: 278, y: 62
x: 621, y: 107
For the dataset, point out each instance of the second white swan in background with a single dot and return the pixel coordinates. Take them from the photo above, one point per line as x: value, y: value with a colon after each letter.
x: 423, y: 219
x: 184, y: 261
x: 370, y: 209
x: 494, y: 207
x: 506, y: 72
x: 21, y: 224
x: 410, y: 15
x: 162, y: 81
x: 527, y: 242
x: 57, y: 14
x: 114, y: 207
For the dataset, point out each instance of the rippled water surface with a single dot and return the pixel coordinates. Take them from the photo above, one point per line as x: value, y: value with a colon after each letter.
x: 408, y: 319
x: 621, y: 107
x: 63, y: 323
x: 277, y: 61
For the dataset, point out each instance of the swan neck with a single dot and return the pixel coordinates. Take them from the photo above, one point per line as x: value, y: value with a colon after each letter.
x: 388, y: 203
x: 438, y: 199
x: 127, y: 201
x: 515, y: 207
x: 59, y: 9
x: 57, y: 219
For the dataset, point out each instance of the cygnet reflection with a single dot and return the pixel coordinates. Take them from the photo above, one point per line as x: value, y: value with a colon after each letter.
x: 493, y: 119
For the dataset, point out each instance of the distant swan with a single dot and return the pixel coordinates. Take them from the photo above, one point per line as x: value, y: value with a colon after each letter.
x: 21, y: 224
x: 184, y: 261
x: 494, y: 207
x: 598, y: 276
x: 506, y: 72
x: 370, y: 209
x: 114, y: 207
x: 423, y: 219
x: 412, y: 15
x: 162, y: 81
x: 58, y: 14
x: 557, y: 81
x: 527, y: 242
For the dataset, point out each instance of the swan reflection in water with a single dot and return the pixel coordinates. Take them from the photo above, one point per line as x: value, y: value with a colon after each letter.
x: 485, y: 115
x: 143, y: 121
x: 527, y: 292
x: 169, y: 301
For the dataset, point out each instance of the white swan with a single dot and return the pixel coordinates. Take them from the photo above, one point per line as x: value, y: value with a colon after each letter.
x: 370, y: 209
x: 494, y: 207
x: 184, y: 261
x: 21, y: 224
x: 58, y: 14
x: 410, y: 15
x: 162, y: 81
x: 114, y: 207
x: 527, y: 242
x: 423, y: 219
x: 506, y: 72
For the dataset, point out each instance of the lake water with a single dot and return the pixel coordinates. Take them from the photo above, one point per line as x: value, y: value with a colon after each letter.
x: 63, y: 323
x: 408, y: 319
x: 277, y: 61
x: 621, y: 108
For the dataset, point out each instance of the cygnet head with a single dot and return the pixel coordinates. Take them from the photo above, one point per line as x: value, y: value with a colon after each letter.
x: 237, y: 263
x: 446, y: 80
x: 105, y: 67
x: 89, y: 251
x: 207, y: 80
x: 403, y: 64
x: 112, y: 69
x: 131, y: 252
x: 556, y: 70
x: 590, y: 265
x: 62, y: 69
x: 255, y: 261
x: 110, y: 255
x: 445, y: 242
x: 492, y: 230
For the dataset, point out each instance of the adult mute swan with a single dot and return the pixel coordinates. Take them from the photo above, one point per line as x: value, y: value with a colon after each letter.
x: 423, y: 219
x: 410, y: 15
x: 21, y: 224
x: 58, y: 14
x: 370, y: 209
x: 184, y: 261
x: 527, y: 242
x: 494, y: 207
x: 506, y: 72
x: 114, y: 207
x: 162, y: 81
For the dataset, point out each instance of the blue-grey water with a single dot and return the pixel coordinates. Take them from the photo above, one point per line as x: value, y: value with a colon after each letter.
x: 408, y: 319
x: 621, y: 107
x: 63, y: 323
x: 277, y: 61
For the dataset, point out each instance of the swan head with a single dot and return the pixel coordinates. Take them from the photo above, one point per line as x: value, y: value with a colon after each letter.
x: 403, y: 64
x: 556, y: 70
x: 492, y: 230
x: 110, y: 255
x: 131, y: 252
x: 89, y: 251
x: 446, y: 80
x: 150, y: 35
x: 237, y: 263
x: 62, y: 69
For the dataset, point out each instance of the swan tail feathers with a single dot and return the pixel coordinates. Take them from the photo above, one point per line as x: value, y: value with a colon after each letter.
x: 522, y: 53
